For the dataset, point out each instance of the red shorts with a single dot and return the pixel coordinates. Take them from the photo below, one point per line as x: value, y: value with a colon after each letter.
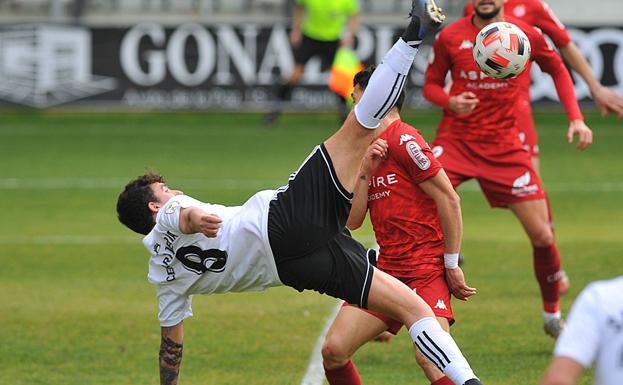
x: 504, y: 171
x: 527, y: 131
x: 432, y: 287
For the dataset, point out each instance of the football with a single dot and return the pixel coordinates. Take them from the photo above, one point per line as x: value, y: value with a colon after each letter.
x: 501, y: 50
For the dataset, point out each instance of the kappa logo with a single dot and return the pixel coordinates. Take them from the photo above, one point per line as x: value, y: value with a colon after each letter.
x: 441, y: 305
x: 405, y: 138
x: 46, y: 65
x: 418, y: 156
x: 466, y: 44
x: 523, y: 180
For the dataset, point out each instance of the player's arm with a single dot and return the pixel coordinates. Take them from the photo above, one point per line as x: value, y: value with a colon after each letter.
x: 348, y: 40
x: 194, y: 220
x: 170, y: 357
x: 448, y: 205
x: 297, y: 21
x: 562, y: 371
x: 375, y: 153
x: 435, y: 83
x: 551, y: 63
x: 607, y: 100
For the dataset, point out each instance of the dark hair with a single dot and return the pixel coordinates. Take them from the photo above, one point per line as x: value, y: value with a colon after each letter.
x: 132, y: 209
x: 362, y: 78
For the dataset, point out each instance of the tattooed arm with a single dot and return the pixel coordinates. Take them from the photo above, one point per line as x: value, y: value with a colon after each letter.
x: 171, y: 354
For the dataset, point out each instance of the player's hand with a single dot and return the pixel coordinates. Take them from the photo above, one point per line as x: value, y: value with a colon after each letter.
x: 608, y: 101
x: 296, y: 37
x: 456, y: 282
x: 585, y: 134
x: 463, y: 103
x: 375, y: 154
x: 209, y: 224
x: 348, y: 41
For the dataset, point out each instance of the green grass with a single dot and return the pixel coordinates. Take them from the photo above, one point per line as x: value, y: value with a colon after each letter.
x: 76, y: 307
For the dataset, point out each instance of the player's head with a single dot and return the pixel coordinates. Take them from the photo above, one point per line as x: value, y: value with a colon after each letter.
x: 360, y: 82
x: 141, y: 199
x: 487, y: 9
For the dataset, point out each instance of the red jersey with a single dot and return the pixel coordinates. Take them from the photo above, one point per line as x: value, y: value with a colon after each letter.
x: 537, y: 14
x: 403, y: 216
x: 493, y: 120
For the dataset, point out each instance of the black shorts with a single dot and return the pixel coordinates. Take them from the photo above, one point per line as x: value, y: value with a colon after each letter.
x: 308, y: 238
x: 311, y: 47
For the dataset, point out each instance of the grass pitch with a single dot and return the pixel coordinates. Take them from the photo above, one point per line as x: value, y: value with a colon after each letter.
x: 76, y: 307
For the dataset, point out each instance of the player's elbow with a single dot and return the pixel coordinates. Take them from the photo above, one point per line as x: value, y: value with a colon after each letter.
x: 353, y: 224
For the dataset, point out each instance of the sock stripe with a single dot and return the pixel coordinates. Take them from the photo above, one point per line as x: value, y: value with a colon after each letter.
x: 424, y: 348
x: 393, y: 103
x: 437, y: 347
x: 389, y: 97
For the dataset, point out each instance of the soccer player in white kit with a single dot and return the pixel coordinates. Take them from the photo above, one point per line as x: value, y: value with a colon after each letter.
x: 593, y: 334
x: 293, y: 236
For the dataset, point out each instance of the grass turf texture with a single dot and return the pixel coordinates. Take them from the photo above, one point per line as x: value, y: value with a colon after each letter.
x: 76, y: 307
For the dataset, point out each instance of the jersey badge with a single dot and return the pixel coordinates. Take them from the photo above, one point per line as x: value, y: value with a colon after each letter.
x: 405, y: 138
x: 170, y: 209
x: 466, y: 44
x: 418, y: 156
x: 437, y: 151
x: 520, y: 11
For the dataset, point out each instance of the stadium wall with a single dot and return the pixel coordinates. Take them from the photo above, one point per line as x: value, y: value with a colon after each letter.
x: 225, y: 66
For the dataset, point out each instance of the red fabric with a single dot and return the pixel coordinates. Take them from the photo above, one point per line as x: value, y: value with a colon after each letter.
x: 504, y: 171
x: 346, y: 375
x: 525, y: 125
x: 403, y: 216
x: 547, y: 272
x: 443, y: 381
x: 431, y: 285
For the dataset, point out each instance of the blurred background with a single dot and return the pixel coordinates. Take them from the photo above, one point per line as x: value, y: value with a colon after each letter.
x: 223, y: 54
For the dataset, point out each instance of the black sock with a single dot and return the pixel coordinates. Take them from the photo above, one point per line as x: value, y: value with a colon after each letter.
x: 414, y: 33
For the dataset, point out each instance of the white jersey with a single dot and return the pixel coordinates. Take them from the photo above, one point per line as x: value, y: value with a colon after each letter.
x: 594, y: 331
x: 238, y: 259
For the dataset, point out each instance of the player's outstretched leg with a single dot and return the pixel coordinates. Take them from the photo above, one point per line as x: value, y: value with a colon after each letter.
x: 391, y: 297
x: 347, y: 146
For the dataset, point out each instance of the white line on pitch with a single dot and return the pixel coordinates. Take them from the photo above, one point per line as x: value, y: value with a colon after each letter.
x: 315, y: 370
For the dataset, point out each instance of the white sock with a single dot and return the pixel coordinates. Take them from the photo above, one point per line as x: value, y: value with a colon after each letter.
x: 385, y: 85
x: 439, y: 347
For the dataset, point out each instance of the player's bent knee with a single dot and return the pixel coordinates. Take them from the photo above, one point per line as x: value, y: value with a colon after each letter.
x: 542, y: 238
x: 334, y: 355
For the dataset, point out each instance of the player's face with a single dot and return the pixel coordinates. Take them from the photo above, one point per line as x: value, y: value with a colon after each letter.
x: 357, y: 93
x: 487, y: 9
x: 163, y: 193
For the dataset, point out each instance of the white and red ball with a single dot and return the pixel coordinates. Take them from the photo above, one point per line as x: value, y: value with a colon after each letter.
x: 502, y: 50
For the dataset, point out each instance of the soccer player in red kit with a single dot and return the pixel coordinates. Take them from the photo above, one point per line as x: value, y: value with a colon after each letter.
x: 416, y: 215
x: 539, y: 14
x: 477, y: 136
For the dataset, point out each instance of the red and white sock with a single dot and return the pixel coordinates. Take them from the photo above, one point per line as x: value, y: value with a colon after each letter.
x: 547, y: 271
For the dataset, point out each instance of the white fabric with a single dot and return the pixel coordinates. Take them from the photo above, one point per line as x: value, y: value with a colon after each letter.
x: 594, y: 331
x: 439, y: 347
x: 385, y: 85
x: 250, y: 265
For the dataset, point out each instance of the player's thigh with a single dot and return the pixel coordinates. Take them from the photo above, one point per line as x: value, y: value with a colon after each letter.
x: 351, y: 329
x: 393, y: 298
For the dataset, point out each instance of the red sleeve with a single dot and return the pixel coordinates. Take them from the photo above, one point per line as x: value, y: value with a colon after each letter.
x: 550, y: 62
x: 435, y: 77
x: 547, y: 21
x: 468, y: 10
x: 412, y: 153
